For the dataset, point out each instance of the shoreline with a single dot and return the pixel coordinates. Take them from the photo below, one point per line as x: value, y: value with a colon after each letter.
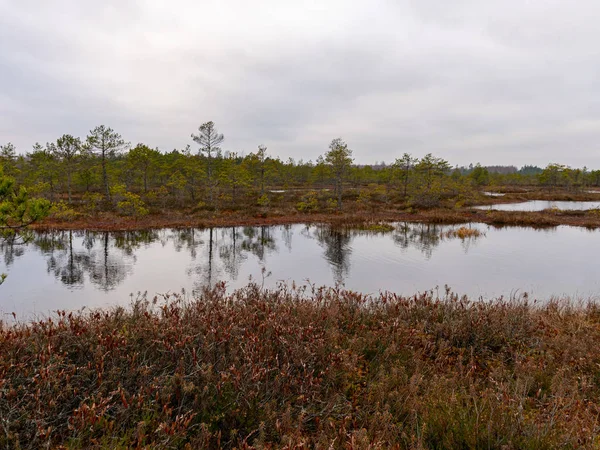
x: 178, y: 219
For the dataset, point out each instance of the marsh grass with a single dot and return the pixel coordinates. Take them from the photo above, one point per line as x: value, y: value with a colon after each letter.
x: 463, y: 233
x: 305, y: 367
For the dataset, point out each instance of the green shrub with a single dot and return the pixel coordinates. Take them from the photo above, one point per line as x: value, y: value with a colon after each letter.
x: 93, y: 202
x: 332, y: 204
x: 364, y: 198
x: 308, y: 203
x: 62, y: 211
x: 263, y: 200
x: 132, y: 205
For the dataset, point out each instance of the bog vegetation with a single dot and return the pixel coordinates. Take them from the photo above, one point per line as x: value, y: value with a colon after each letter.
x: 304, y: 368
x: 102, y: 172
x: 292, y: 367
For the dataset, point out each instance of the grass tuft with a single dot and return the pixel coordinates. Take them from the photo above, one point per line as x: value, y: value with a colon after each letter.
x: 463, y: 233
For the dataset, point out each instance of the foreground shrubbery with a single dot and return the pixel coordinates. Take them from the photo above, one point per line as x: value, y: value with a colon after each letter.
x: 305, y: 368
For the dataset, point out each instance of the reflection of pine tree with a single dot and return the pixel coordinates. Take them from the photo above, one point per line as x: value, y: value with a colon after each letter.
x: 208, y: 269
x: 401, y: 236
x: 62, y: 260
x: 130, y: 241
x: 287, y: 234
x: 11, y: 248
x: 106, y: 258
x: 259, y: 241
x: 225, y: 251
x: 188, y: 239
x: 107, y: 266
x: 89, y: 240
x: 337, y: 249
x: 210, y: 257
x: 425, y: 237
x: 67, y: 264
x: 231, y: 252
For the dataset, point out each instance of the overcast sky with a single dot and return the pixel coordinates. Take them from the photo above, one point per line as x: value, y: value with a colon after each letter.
x: 499, y: 82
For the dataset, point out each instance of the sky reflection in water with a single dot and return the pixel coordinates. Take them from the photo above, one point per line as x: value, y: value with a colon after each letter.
x: 72, y: 269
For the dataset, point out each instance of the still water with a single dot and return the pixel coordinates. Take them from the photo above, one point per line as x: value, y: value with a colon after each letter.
x: 540, y: 205
x: 73, y: 269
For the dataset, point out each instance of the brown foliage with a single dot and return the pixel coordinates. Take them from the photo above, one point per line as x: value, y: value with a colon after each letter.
x: 304, y: 367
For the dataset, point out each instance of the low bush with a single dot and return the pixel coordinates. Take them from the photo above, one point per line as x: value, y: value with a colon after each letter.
x: 132, y: 205
x: 63, y: 212
x: 304, y: 368
x: 308, y: 203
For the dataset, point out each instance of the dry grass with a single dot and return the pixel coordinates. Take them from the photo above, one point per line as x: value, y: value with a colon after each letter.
x: 463, y: 233
x: 560, y: 195
x: 354, y: 214
x: 533, y: 192
x: 541, y: 219
x: 314, y: 368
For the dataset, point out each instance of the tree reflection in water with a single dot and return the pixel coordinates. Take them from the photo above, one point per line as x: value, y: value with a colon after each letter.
x: 106, y: 259
x: 109, y: 266
x: 66, y: 264
x: 338, y: 248
x: 287, y: 234
x: 427, y: 237
x: 423, y: 236
x: 188, y: 239
x: 11, y: 247
x: 231, y: 251
x: 337, y: 242
x: 227, y: 248
x: 205, y: 270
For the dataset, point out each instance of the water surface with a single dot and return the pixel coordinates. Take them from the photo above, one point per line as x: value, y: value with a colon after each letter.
x: 69, y: 270
x: 540, y: 205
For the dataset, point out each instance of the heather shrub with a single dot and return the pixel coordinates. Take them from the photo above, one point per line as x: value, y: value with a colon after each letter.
x: 304, y: 367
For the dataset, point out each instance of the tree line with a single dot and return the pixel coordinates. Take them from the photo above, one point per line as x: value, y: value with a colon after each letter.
x: 102, y: 170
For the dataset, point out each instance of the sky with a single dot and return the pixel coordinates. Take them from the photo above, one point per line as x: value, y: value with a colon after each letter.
x: 496, y: 82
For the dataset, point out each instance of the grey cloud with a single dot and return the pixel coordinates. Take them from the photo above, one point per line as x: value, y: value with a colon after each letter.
x: 507, y: 82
